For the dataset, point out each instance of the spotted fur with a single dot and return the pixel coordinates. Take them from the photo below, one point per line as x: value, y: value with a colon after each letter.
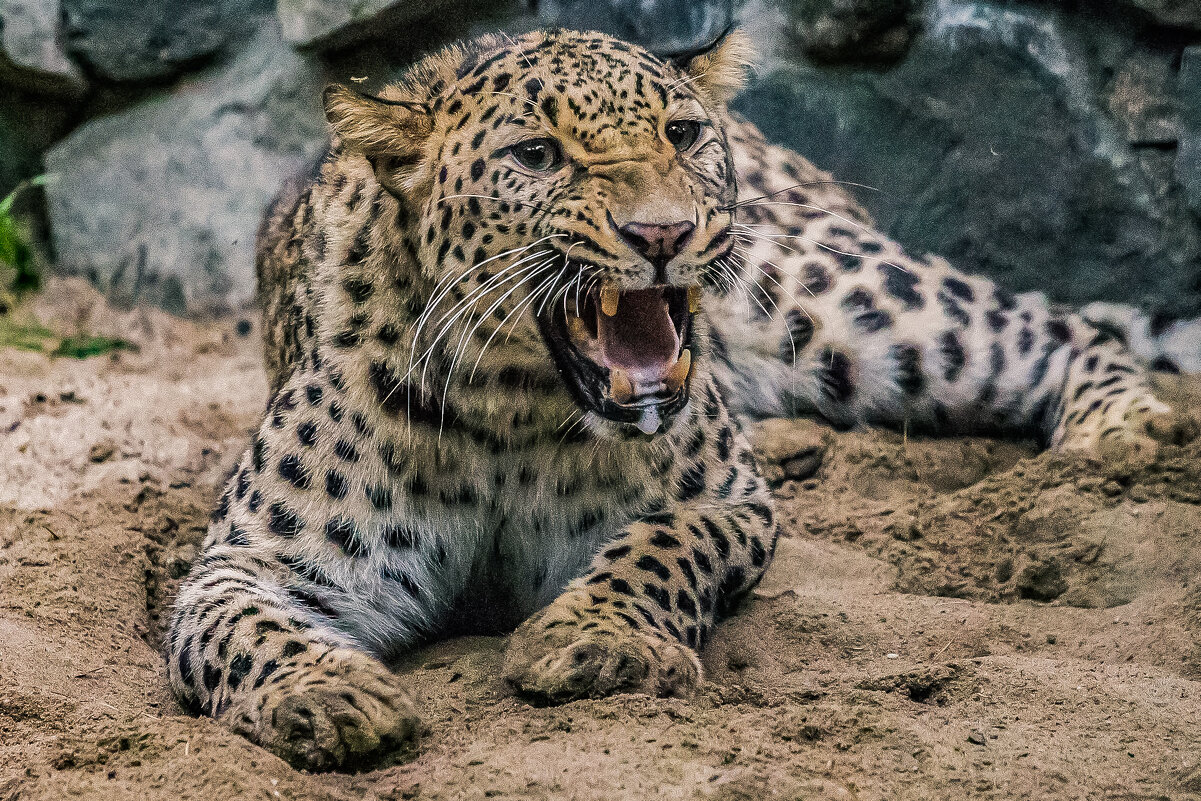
x: 421, y: 471
x: 1165, y: 343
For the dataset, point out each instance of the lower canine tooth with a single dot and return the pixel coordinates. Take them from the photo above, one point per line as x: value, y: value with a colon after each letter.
x: 608, y: 298
x: 694, y: 299
x: 576, y: 328
x: 679, y: 371
x: 621, y: 388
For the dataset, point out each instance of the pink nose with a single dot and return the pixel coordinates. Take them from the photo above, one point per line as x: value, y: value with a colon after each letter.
x: 658, y: 243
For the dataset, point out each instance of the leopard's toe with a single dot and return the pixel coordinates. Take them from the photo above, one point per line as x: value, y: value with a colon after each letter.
x: 561, y: 663
x: 345, y: 714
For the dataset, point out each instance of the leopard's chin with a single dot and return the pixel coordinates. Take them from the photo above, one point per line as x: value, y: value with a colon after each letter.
x: 626, y: 356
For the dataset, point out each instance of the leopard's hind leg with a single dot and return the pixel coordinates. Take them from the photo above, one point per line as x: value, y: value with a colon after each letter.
x: 843, y: 323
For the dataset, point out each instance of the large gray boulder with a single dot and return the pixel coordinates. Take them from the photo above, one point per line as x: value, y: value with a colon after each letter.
x: 152, y: 39
x: 1174, y: 13
x: 1188, y: 158
x: 161, y: 202
x: 18, y: 156
x: 854, y: 31
x: 1018, y: 142
x: 663, y: 26
x: 28, y: 124
x: 336, y: 23
x: 33, y: 55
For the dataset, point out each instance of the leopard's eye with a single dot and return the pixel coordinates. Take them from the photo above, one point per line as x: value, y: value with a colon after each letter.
x: 538, y: 155
x: 683, y: 133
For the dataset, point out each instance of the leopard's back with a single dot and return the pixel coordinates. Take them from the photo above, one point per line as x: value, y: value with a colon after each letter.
x: 282, y: 273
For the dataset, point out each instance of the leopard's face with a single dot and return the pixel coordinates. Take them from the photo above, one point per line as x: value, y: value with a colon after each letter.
x: 575, y: 199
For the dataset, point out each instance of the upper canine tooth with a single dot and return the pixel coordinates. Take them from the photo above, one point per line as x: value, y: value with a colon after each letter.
x: 679, y: 371
x: 621, y: 388
x: 608, y: 298
x: 694, y: 299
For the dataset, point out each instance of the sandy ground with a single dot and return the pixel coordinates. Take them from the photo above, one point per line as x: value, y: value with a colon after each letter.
x: 945, y: 619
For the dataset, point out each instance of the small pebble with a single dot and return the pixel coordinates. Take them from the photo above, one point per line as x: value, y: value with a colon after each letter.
x: 101, y: 451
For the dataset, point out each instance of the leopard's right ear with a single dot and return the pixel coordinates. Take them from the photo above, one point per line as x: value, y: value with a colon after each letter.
x: 390, y: 133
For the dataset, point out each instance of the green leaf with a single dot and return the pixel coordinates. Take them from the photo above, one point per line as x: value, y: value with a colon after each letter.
x: 37, y: 180
x: 14, y: 251
x: 24, y: 337
x: 81, y: 347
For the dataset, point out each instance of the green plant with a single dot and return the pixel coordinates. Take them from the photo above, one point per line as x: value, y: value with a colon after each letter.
x: 19, y: 275
x: 85, y: 345
x: 25, y: 336
x: 15, y: 252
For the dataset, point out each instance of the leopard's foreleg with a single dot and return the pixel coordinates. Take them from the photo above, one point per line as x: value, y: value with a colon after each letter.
x: 245, y: 650
x: 637, y: 619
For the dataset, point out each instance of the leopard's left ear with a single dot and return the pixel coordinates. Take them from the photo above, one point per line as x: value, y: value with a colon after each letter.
x: 719, y: 68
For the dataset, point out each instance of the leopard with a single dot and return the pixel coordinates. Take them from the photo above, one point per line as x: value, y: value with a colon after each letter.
x: 1166, y: 343
x: 517, y: 322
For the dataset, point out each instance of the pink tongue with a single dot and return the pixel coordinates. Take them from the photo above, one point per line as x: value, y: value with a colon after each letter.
x: 640, y: 338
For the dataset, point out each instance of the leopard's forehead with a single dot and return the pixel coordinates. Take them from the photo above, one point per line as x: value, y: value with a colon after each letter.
x: 578, y: 60
x: 589, y: 85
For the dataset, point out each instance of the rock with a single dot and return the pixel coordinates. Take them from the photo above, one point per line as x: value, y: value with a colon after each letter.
x: 1114, y: 561
x: 854, y: 31
x: 1174, y: 13
x: 949, y: 465
x: 662, y: 26
x: 1184, y: 14
x: 102, y: 451
x: 180, y: 562
x: 153, y: 39
x: 336, y: 23
x: 1188, y: 155
x: 32, y: 53
x: 161, y: 202
x: 18, y: 159
x: 28, y: 125
x: 990, y: 145
x: 1141, y: 97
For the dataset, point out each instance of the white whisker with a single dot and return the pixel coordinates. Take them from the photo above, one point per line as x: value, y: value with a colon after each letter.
x: 521, y: 304
x: 802, y: 185
x: 772, y: 237
x: 469, y: 303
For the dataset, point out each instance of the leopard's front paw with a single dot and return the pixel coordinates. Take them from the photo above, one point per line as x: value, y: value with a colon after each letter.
x: 342, y: 710
x: 560, y: 655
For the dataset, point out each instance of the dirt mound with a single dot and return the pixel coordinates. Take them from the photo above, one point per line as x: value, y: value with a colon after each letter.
x: 945, y: 619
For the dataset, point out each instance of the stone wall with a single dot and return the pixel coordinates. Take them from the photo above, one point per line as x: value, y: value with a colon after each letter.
x: 1052, y: 144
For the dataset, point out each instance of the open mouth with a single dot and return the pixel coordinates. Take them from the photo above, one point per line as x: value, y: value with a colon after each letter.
x: 626, y: 355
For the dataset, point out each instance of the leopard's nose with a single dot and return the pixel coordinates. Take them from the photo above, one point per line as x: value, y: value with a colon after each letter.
x: 659, y: 243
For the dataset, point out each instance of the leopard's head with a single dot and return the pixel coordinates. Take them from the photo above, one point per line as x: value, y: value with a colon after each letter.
x: 568, y: 193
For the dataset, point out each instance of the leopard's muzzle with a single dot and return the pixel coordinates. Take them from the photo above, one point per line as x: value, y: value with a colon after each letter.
x: 625, y: 355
